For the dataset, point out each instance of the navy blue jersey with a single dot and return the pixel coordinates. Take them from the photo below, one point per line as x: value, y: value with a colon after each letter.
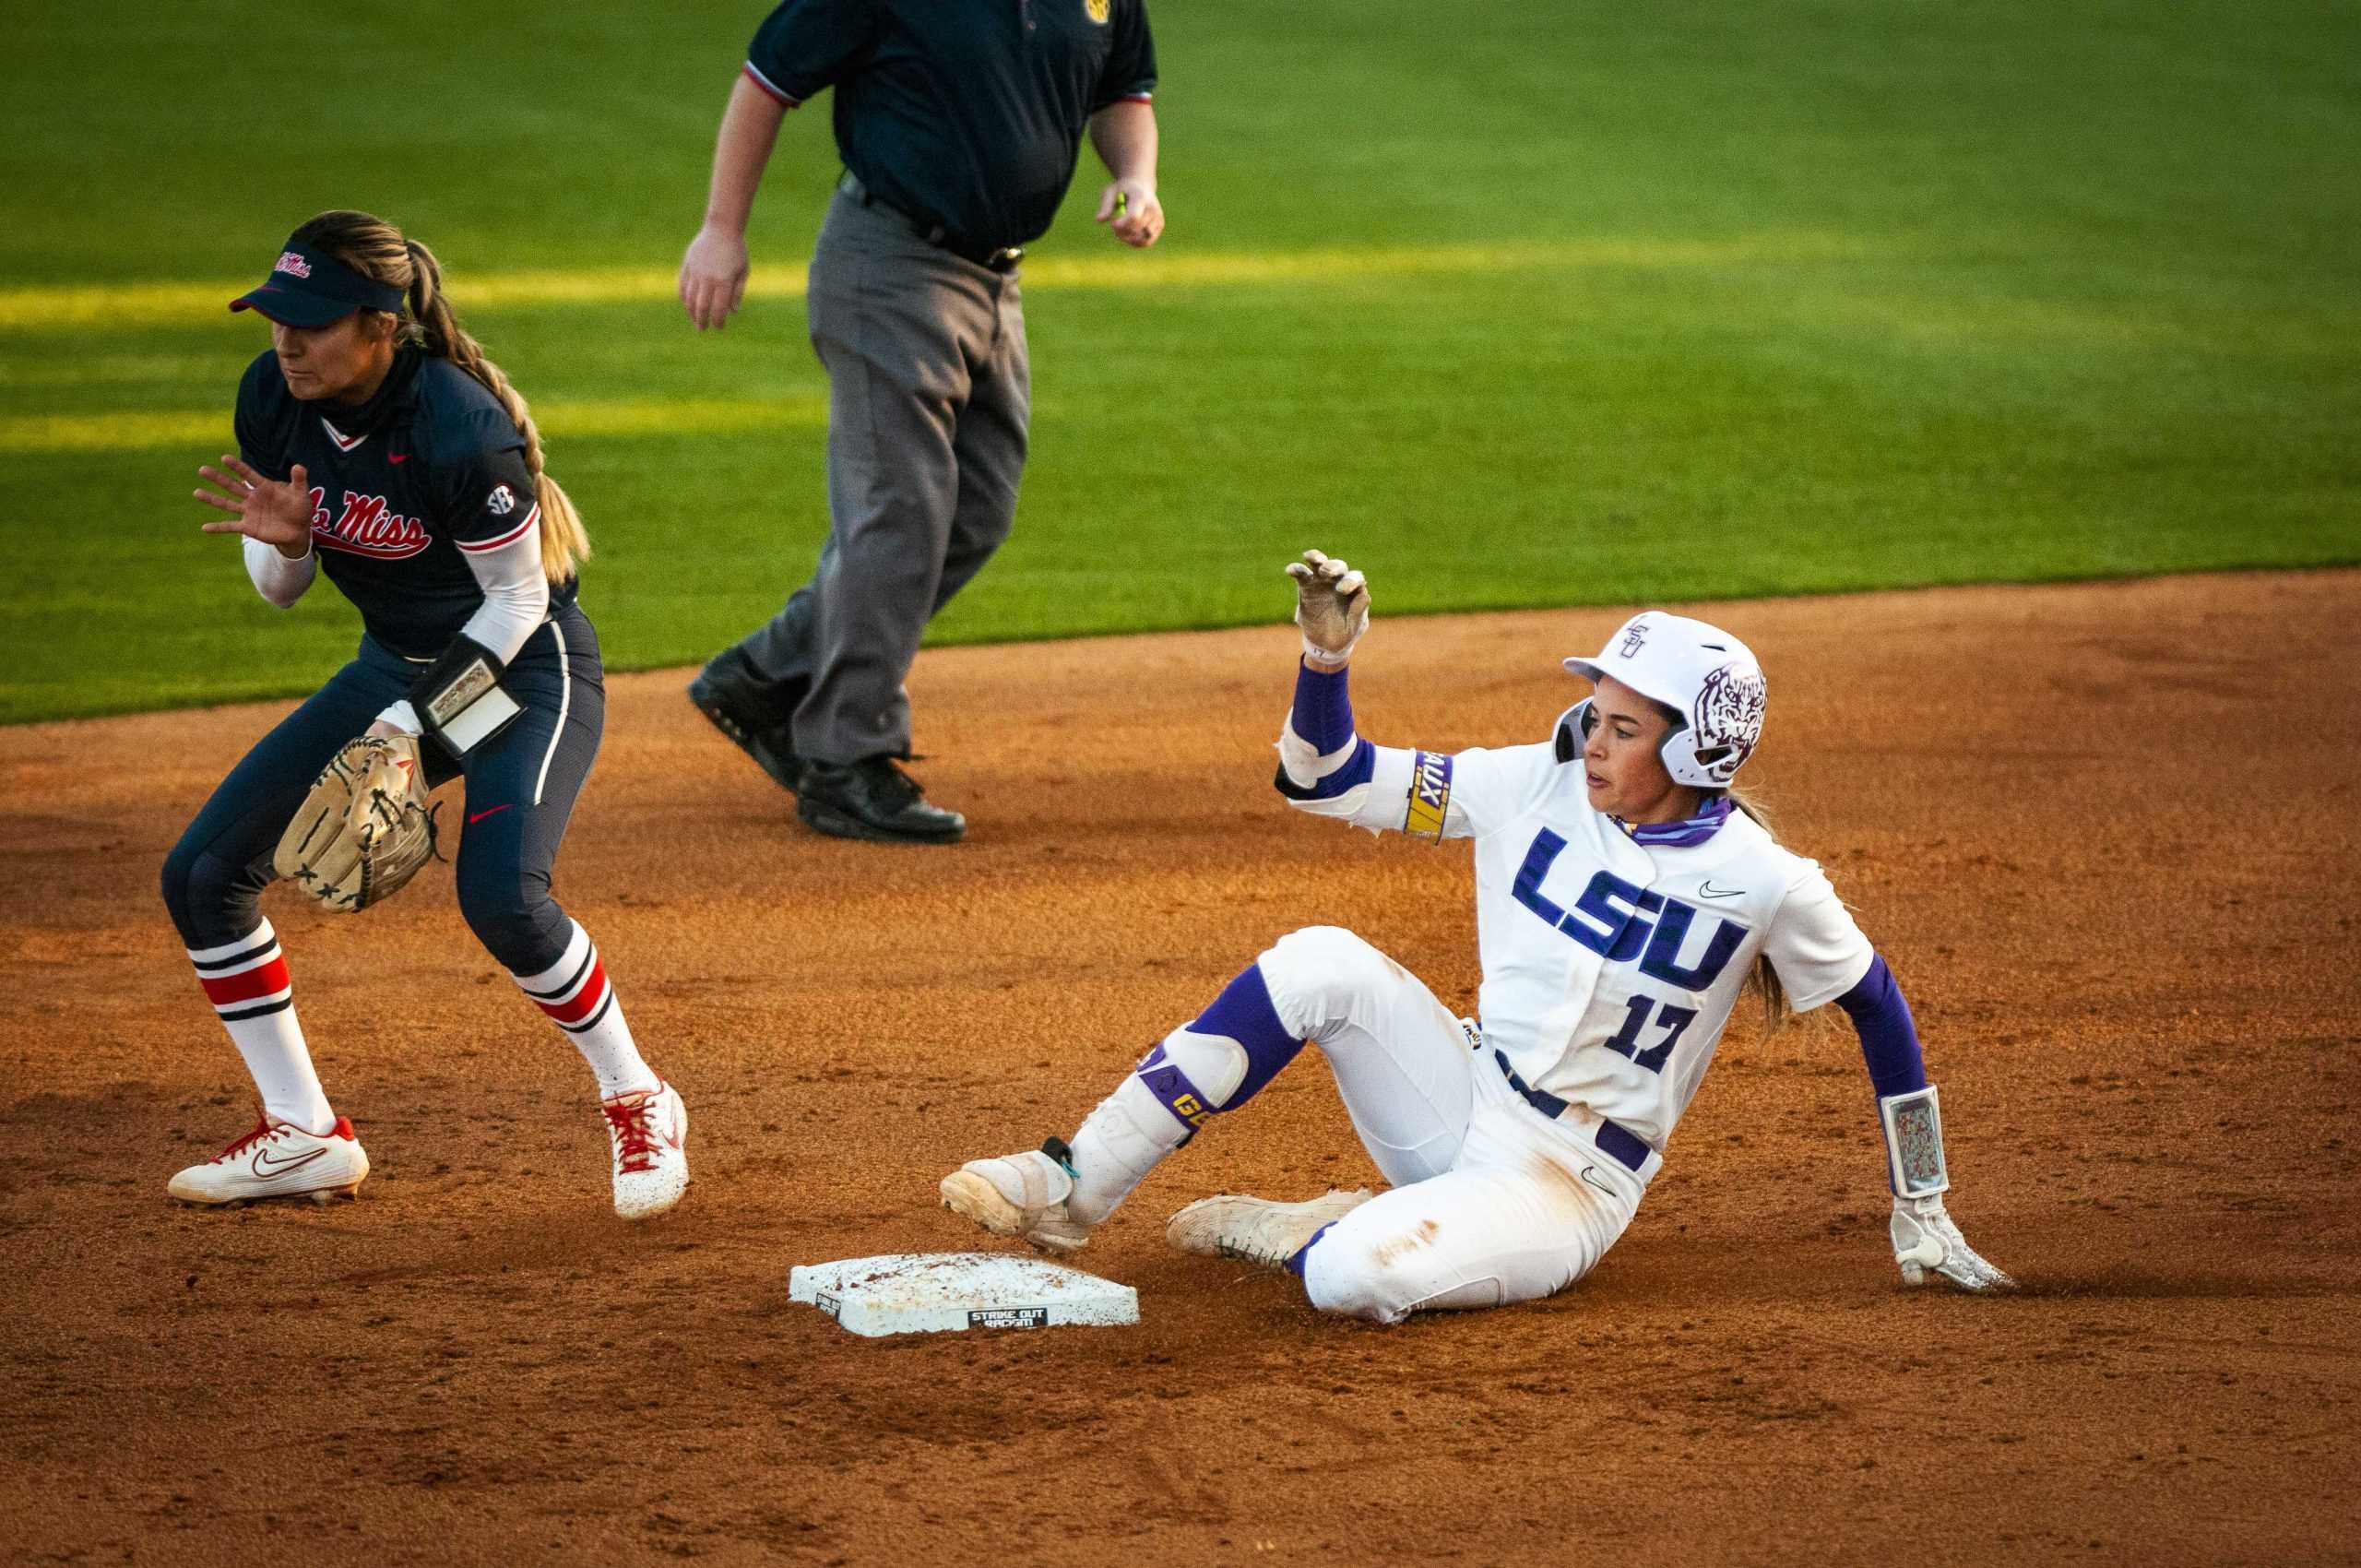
x: 432, y: 466
x: 968, y: 113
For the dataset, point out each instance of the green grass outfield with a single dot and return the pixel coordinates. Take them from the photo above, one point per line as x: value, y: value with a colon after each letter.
x: 1515, y: 305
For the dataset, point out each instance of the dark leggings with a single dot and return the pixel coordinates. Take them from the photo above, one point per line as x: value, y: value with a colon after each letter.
x: 520, y: 790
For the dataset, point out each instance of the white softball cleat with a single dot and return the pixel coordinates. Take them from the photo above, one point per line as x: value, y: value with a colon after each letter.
x: 277, y: 1159
x: 649, y: 1132
x: 1020, y: 1194
x: 1925, y: 1238
x: 1257, y: 1230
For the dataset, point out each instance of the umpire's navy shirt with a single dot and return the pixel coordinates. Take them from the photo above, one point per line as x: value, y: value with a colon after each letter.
x: 968, y: 113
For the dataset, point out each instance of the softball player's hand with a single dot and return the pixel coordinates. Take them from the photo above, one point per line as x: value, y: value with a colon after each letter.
x: 713, y: 276
x: 278, y: 515
x: 1925, y: 1238
x: 1330, y: 605
x: 1131, y: 210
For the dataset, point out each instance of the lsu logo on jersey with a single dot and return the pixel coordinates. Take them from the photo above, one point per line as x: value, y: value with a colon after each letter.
x: 1622, y: 923
x: 365, y: 528
x: 1429, y: 795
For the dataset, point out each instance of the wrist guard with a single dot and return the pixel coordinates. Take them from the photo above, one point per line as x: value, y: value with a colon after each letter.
x: 1914, y: 1143
x: 461, y: 700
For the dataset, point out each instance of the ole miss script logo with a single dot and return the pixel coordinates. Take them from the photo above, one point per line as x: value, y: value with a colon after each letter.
x: 366, y: 528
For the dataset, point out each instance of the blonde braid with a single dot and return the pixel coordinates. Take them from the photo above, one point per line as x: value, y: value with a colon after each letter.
x: 564, y: 542
x: 376, y: 249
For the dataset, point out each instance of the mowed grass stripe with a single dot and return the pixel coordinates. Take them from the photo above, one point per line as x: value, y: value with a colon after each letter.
x: 158, y: 304
x: 180, y: 427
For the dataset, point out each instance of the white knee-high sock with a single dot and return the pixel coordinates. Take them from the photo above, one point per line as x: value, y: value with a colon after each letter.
x: 575, y: 993
x: 246, y: 981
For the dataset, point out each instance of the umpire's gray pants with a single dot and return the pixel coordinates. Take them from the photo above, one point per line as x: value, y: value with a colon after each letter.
x: 928, y: 396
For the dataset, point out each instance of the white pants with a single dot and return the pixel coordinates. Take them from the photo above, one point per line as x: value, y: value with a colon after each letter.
x: 1491, y: 1201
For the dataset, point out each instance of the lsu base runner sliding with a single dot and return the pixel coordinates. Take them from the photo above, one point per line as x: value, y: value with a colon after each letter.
x: 380, y: 448
x: 1624, y: 901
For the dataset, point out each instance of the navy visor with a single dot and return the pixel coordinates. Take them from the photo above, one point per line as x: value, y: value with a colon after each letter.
x: 309, y: 288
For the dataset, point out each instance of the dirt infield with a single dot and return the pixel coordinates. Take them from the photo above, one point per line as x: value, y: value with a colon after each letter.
x: 2106, y: 833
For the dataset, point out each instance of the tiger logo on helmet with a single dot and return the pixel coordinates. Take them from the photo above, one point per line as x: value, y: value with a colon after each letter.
x: 1728, y: 720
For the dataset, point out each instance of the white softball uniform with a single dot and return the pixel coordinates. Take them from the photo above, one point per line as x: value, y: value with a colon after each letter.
x: 1610, y: 969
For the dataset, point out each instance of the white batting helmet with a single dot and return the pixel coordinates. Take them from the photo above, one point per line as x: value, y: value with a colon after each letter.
x: 1698, y: 671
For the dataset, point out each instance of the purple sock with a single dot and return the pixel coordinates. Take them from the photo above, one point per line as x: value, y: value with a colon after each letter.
x: 1295, y: 1263
x: 1244, y: 1012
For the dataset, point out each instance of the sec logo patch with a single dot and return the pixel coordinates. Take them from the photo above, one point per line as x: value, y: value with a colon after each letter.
x: 1097, y: 10
x: 500, y: 501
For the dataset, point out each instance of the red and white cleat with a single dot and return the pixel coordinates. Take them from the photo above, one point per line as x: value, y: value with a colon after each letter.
x: 277, y: 1159
x: 650, y: 1130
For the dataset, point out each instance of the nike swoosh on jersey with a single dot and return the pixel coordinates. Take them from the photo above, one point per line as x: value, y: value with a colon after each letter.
x: 474, y: 817
x: 1592, y: 1178
x: 397, y: 457
x: 267, y: 1167
x: 1707, y: 890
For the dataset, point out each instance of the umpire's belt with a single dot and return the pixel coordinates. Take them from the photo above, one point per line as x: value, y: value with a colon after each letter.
x: 1004, y: 259
x: 1614, y: 1140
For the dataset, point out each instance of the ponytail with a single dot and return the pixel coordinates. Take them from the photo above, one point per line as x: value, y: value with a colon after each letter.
x: 376, y: 248
x: 564, y: 542
x: 1763, y: 978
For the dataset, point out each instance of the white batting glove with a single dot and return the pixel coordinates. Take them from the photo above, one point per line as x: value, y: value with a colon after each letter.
x: 1330, y: 605
x: 1925, y: 1238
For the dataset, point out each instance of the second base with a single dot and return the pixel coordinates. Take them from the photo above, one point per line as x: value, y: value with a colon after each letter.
x: 940, y: 1292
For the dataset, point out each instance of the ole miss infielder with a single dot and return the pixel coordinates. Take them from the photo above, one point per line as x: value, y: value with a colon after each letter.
x: 380, y: 447
x: 1623, y: 903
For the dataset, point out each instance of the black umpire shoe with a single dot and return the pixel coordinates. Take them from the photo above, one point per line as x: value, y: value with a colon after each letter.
x: 874, y: 799
x: 728, y: 691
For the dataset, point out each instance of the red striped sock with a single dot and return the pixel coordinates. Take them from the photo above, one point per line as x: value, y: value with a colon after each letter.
x: 577, y: 995
x: 247, y: 981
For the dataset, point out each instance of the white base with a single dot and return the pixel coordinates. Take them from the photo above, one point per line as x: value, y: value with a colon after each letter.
x: 939, y: 1292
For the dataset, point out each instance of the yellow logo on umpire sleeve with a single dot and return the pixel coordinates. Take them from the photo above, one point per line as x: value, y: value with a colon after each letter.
x: 1097, y: 10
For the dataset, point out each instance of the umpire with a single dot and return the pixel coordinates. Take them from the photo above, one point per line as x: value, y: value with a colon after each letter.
x: 959, y: 123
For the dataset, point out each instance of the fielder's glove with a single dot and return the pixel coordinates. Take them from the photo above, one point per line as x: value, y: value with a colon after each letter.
x: 1330, y: 605
x: 364, y: 829
x: 1925, y: 1238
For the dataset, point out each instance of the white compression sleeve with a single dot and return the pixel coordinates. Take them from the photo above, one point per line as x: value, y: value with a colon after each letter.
x: 515, y: 594
x: 276, y: 578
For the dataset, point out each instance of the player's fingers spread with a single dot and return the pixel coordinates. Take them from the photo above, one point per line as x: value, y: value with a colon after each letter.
x: 1350, y: 585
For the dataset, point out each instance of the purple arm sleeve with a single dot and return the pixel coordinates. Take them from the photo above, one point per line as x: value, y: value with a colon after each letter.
x: 1323, y: 707
x: 1889, y: 1040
